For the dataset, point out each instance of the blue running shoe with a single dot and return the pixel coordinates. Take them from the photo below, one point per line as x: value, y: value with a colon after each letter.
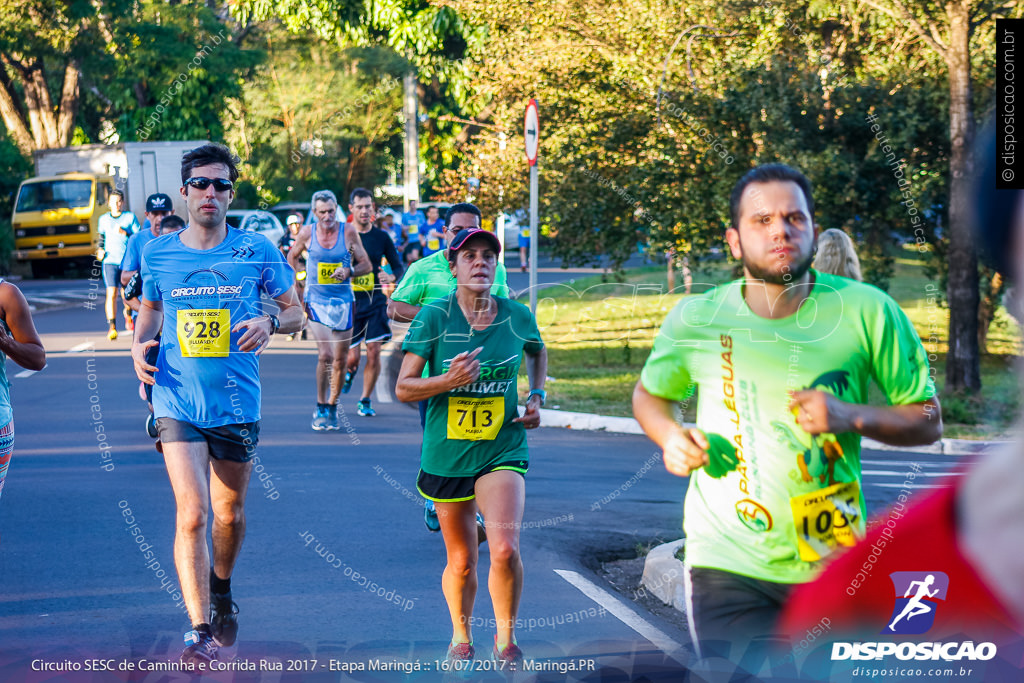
x: 481, y: 530
x: 364, y: 408
x: 347, y: 386
x: 430, y: 517
x: 321, y: 419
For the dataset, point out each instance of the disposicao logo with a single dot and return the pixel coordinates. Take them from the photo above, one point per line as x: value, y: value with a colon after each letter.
x: 917, y: 600
x: 917, y: 596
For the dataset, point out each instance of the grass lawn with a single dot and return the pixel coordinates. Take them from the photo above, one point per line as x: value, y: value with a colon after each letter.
x: 599, y: 333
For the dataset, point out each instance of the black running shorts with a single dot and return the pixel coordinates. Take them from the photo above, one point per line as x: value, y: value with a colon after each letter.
x: 458, y: 489
x: 234, y: 442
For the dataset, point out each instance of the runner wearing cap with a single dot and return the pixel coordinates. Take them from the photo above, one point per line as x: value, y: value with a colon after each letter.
x: 133, y: 297
x: 157, y: 206
x: 463, y: 354
x: 430, y: 279
x: 294, y: 224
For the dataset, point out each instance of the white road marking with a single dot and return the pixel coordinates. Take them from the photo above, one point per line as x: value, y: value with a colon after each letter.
x: 45, y: 300
x: 26, y: 373
x: 660, y: 639
x: 81, y: 347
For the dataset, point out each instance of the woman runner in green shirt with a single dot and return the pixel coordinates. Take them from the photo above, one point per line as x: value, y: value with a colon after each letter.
x: 474, y: 444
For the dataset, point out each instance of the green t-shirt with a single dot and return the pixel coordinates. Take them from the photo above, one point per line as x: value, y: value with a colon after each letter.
x: 431, y: 278
x: 470, y: 428
x: 787, y: 499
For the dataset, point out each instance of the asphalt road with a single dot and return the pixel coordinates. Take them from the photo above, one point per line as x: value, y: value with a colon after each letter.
x: 325, y: 510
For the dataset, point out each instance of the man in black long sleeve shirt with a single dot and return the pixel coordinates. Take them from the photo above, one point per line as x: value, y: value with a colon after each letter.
x: 372, y: 325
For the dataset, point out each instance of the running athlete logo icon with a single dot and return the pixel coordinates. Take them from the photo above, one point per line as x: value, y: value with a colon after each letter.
x: 917, y: 594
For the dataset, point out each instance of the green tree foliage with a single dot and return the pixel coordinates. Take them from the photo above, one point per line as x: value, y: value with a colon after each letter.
x: 652, y: 109
x: 111, y: 66
x: 315, y: 115
x: 433, y: 37
x: 13, y: 167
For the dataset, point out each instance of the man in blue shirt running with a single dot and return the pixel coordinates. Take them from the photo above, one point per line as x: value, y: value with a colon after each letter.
x: 202, y: 286
x: 157, y: 207
x: 115, y: 228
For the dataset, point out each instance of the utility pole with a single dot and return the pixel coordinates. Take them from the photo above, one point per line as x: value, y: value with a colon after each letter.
x: 411, y: 176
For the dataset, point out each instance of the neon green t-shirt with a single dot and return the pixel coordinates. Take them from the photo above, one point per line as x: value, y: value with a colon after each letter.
x: 470, y: 427
x: 430, y: 279
x: 787, y: 500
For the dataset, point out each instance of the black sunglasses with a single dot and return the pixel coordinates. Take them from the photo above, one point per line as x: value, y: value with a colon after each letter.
x: 219, y: 184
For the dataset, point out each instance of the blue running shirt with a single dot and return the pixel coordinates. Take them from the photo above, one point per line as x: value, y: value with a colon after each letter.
x: 114, y: 241
x: 202, y: 377
x: 321, y: 263
x: 132, y: 260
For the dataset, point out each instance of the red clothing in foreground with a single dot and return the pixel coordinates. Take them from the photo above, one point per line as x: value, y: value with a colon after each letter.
x: 856, y: 596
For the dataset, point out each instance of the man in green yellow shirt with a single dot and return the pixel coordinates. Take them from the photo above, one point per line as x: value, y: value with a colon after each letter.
x: 783, y: 358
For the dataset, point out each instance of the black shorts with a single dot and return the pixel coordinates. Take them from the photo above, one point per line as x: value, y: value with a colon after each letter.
x: 731, y: 615
x: 458, y: 489
x: 112, y: 274
x: 234, y: 442
x: 371, y: 324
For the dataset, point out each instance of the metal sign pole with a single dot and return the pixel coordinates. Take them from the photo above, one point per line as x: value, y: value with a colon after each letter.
x: 534, y: 234
x: 531, y: 134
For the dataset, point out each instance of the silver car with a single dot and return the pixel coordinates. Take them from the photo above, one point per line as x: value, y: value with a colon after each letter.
x: 263, y: 222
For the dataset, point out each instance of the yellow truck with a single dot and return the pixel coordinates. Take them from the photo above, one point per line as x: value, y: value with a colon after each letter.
x: 55, y: 219
x: 56, y: 212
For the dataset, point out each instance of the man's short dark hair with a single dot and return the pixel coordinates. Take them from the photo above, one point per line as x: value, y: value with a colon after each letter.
x: 211, y: 153
x: 117, y: 193
x: 768, y: 173
x: 359, y: 193
x: 172, y: 221
x: 464, y: 207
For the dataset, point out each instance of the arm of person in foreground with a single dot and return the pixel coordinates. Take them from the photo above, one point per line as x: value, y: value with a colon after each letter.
x: 258, y: 330
x: 147, y: 326
x: 359, y: 256
x: 537, y: 372
x: 22, y: 345
x: 684, y: 449
x: 401, y: 312
x: 412, y: 386
x: 910, y: 424
x: 300, y: 244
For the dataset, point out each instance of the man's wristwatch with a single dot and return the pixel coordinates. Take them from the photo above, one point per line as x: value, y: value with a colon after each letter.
x: 275, y: 323
x: 537, y: 392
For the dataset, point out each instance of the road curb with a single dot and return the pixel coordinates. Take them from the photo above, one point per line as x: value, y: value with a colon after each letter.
x: 629, y: 425
x: 663, y: 574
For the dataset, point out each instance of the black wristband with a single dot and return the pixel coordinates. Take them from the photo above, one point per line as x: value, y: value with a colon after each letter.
x: 275, y: 324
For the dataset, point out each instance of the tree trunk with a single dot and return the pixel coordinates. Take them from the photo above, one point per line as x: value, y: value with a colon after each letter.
x: 68, y: 105
x: 987, y: 309
x: 13, y: 120
x: 963, y: 370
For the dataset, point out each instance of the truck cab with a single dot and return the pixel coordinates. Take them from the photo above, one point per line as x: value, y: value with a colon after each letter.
x: 55, y: 219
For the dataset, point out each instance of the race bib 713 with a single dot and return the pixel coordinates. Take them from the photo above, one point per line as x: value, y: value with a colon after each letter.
x: 475, y: 419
